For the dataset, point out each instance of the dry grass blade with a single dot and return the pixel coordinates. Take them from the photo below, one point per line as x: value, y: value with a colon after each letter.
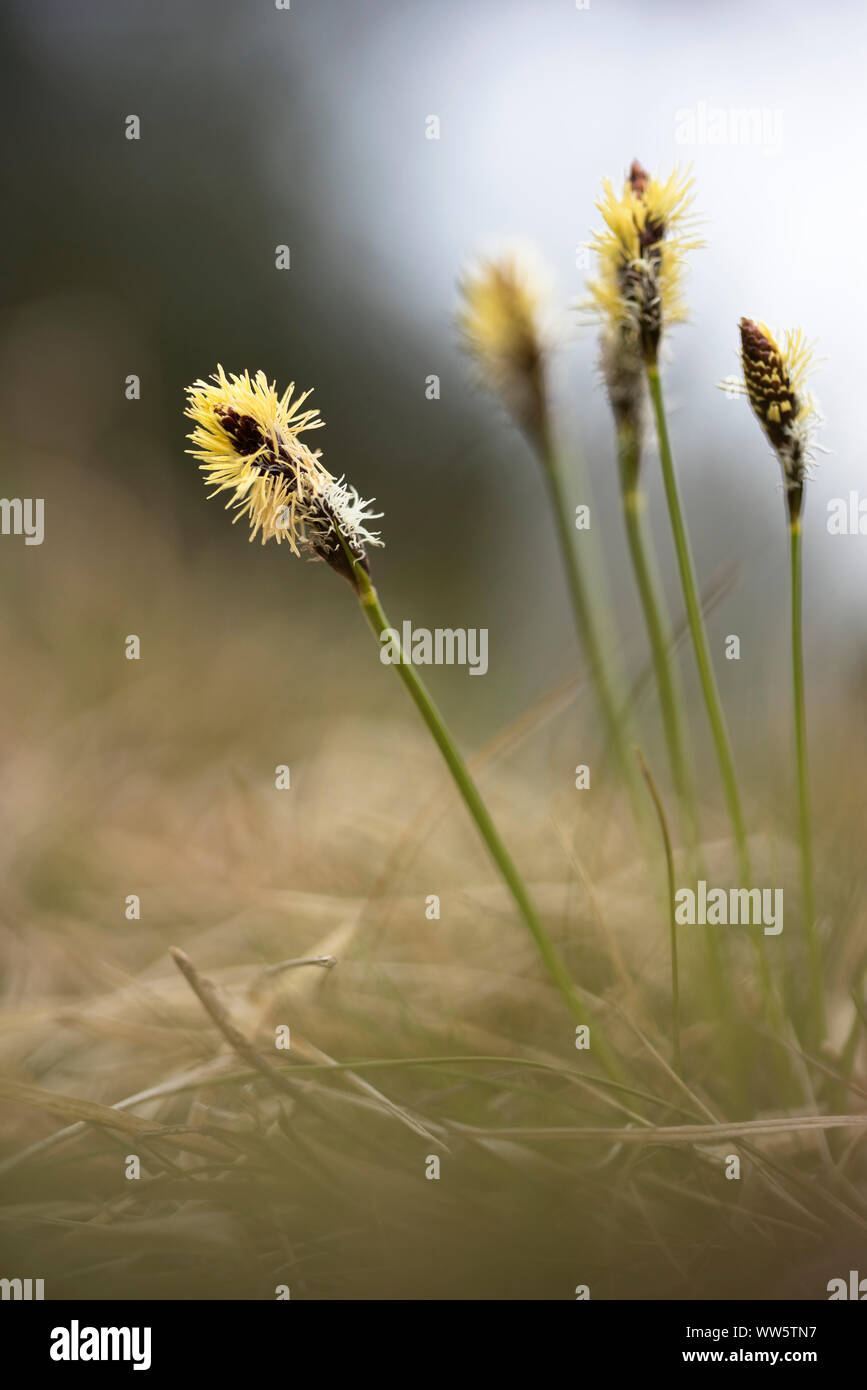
x: 91, y: 1113
x: 678, y: 1134
x: 206, y: 992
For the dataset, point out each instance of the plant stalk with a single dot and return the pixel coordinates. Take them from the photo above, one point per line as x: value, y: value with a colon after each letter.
x: 710, y: 691
x: 707, y: 677
x: 604, y: 681
x: 672, y: 925
x: 658, y: 630
x: 472, y: 798
x: 668, y: 685
x: 814, y: 950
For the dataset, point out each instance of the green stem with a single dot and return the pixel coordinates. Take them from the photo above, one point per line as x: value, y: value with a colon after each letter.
x: 670, y: 693
x: 658, y: 631
x: 672, y: 925
x: 602, y: 677
x: 707, y: 678
x: 711, y: 695
x: 809, y: 901
x: 472, y: 798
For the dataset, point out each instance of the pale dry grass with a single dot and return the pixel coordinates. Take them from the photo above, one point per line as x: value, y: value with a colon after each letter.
x: 157, y: 779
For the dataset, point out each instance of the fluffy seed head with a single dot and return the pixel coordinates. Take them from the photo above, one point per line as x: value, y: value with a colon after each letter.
x: 246, y: 438
x: 501, y: 327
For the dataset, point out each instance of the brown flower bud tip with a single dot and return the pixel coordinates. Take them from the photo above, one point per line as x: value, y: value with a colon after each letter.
x: 638, y: 178
x: 754, y: 342
x: 653, y: 229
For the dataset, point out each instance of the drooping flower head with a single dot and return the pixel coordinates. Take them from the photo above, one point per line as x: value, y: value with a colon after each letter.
x: 641, y: 254
x: 501, y: 323
x: 247, y: 440
x: 774, y: 384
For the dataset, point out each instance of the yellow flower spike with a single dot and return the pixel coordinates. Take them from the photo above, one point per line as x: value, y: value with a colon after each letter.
x: 641, y: 255
x: 501, y: 327
x: 246, y: 438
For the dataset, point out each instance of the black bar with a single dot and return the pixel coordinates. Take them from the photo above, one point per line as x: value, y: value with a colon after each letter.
x: 232, y: 1338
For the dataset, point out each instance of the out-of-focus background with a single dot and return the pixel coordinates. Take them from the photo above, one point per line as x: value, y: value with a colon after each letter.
x: 307, y: 127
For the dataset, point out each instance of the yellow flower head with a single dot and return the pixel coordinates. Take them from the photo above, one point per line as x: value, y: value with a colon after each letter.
x: 773, y: 383
x: 246, y: 438
x: 500, y: 323
x: 641, y: 254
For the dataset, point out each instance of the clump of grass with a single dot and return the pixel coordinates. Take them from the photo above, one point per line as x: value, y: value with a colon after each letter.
x: 315, y: 1181
x: 639, y: 295
x: 639, y: 292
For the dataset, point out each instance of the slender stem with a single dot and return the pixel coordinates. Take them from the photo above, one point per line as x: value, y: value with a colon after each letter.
x: 672, y: 925
x: 658, y: 629
x: 668, y: 685
x: 713, y: 704
x: 707, y: 678
x: 474, y: 803
x: 809, y: 901
x: 580, y: 592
